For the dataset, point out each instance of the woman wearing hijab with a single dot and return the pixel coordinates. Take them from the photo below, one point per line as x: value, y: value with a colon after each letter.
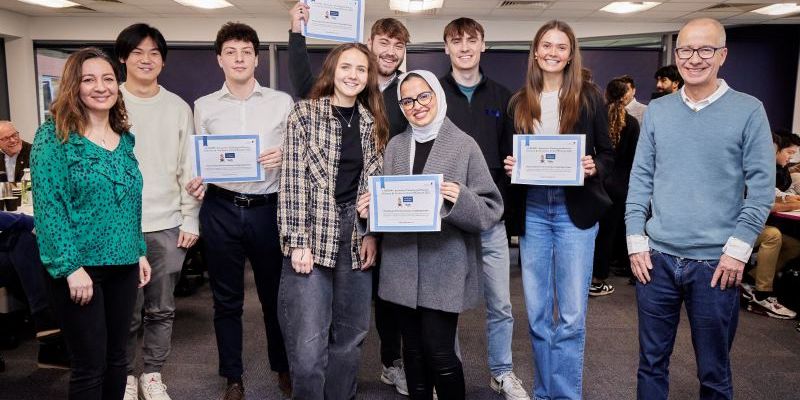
x: 431, y: 294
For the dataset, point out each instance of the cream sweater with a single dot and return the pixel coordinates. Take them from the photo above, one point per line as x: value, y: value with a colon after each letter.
x: 162, y: 126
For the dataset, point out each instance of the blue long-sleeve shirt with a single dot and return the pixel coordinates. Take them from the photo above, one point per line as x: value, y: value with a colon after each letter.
x: 15, y: 222
x: 690, y: 173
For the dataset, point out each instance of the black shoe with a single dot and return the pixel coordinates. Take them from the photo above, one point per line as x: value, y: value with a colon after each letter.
x: 602, y: 288
x: 234, y: 391
x: 53, y: 354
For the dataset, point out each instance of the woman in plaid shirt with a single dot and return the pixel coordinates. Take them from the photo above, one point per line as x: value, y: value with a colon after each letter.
x: 334, y: 142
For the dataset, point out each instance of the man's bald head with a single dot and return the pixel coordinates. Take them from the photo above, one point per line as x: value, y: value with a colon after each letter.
x: 704, y: 24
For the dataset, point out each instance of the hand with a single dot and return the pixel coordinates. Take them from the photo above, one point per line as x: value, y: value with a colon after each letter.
x: 144, y: 271
x: 302, y: 261
x: 791, y: 198
x: 80, y: 287
x: 589, y: 168
x: 641, y: 266
x: 186, y: 239
x: 508, y: 164
x: 450, y: 191
x: 299, y: 14
x: 362, y: 205
x: 195, y: 188
x: 369, y: 252
x: 729, y: 272
x: 271, y: 158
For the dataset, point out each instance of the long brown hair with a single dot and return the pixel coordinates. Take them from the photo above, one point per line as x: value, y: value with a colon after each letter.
x: 69, y: 112
x: 525, y: 104
x: 615, y: 98
x: 371, y: 97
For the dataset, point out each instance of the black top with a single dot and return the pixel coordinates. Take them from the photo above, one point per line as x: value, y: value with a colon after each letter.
x: 617, y: 182
x: 587, y: 203
x: 23, y: 161
x: 351, y: 157
x: 485, y: 118
x: 421, y: 152
x: 303, y: 80
x: 783, y: 179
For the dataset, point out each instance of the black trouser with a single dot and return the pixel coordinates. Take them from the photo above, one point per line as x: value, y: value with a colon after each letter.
x: 231, y: 234
x: 386, y: 323
x: 610, y: 242
x: 97, y: 333
x: 22, y: 273
x: 429, y: 353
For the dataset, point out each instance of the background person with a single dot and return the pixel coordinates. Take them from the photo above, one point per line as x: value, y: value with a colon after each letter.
x: 16, y: 153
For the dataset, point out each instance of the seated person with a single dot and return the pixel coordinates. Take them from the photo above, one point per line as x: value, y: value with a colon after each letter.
x: 16, y: 153
x: 22, y: 274
x: 775, y: 248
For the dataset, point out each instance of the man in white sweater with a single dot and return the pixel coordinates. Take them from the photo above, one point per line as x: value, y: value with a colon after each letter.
x: 162, y: 123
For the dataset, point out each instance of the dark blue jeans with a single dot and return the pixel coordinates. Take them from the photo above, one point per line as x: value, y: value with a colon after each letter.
x: 713, y: 316
x: 232, y: 234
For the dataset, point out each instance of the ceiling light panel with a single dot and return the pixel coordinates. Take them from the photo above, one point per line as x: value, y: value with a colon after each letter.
x: 779, y: 9
x: 51, y: 3
x: 627, y: 7
x: 411, y: 6
x: 205, y: 4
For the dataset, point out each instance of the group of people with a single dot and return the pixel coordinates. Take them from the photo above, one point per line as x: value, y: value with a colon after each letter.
x: 117, y: 206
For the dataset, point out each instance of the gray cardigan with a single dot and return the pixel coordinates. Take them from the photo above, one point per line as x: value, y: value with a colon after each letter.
x: 440, y: 270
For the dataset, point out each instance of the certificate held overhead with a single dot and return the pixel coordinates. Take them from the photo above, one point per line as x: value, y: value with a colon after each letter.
x: 337, y: 20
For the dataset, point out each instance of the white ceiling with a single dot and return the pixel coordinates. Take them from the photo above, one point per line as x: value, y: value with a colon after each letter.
x: 674, y: 11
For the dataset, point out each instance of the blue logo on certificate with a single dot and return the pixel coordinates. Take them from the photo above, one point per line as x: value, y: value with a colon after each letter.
x: 408, y: 199
x: 550, y: 156
x: 230, y: 155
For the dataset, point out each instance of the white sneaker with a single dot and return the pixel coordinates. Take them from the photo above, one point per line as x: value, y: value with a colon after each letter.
x: 509, y: 386
x: 395, y: 376
x: 771, y: 307
x: 131, y: 389
x: 151, y: 387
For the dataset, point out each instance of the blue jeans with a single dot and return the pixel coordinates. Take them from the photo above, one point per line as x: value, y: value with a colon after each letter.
x: 713, y: 316
x: 324, y: 316
x: 496, y: 289
x: 556, y: 264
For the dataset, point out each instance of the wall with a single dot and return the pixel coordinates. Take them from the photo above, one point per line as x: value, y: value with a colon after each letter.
x: 5, y: 111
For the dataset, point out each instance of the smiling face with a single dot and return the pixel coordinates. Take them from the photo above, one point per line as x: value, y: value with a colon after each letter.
x: 698, y: 73
x: 389, y: 51
x: 465, y: 51
x: 145, y: 62
x: 350, y: 77
x: 783, y: 156
x: 10, y: 143
x: 99, y: 88
x: 553, y: 51
x: 238, y: 61
x: 419, y: 115
x: 665, y: 85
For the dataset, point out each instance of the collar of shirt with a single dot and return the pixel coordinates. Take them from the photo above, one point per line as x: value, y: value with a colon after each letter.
x: 226, y: 93
x: 699, y: 105
x: 383, y: 86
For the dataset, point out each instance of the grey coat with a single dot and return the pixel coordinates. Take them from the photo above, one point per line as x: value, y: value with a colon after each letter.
x: 440, y: 270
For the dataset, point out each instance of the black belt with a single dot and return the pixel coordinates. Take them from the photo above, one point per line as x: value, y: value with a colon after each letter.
x: 241, y: 199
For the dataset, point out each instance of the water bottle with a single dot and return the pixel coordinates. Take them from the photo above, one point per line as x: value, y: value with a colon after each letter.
x: 26, y: 187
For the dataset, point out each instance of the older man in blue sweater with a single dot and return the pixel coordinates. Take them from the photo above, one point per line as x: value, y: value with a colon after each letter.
x: 700, y: 191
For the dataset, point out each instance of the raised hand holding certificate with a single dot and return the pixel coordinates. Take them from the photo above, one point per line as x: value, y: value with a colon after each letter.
x: 337, y: 20
x: 405, y: 203
x: 553, y: 160
x: 227, y: 158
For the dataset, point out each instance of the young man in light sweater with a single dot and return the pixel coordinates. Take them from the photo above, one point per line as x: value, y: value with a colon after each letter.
x: 162, y: 123
x: 686, y: 243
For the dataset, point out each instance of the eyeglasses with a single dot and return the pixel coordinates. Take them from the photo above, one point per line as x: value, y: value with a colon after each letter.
x: 685, y: 53
x: 13, y: 136
x: 423, y: 99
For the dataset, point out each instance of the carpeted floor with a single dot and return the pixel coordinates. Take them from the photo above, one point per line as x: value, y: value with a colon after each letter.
x: 766, y: 355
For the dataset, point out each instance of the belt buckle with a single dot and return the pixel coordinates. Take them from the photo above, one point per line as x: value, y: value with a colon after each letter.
x: 241, y: 201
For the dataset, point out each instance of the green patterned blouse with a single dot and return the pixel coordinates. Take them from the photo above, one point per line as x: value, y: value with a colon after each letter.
x: 87, y: 200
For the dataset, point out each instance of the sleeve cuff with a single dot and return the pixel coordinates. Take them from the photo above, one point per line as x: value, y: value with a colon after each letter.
x: 190, y: 225
x: 637, y: 244
x: 738, y: 249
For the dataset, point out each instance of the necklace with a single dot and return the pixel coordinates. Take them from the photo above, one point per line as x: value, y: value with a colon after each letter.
x: 102, y: 139
x: 342, y: 115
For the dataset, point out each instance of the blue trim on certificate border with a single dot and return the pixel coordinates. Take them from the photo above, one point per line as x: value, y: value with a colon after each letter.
x: 518, y: 139
x: 205, y: 138
x: 381, y: 180
x: 359, y: 28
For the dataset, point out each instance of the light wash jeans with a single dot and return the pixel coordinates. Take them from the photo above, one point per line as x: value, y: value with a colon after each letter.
x: 496, y: 290
x: 557, y: 261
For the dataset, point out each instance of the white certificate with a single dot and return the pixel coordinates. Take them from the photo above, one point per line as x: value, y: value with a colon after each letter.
x: 227, y: 158
x: 405, y: 203
x: 553, y: 160
x: 337, y: 20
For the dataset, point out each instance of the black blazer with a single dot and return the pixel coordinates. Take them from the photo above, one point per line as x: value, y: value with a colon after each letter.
x: 617, y: 181
x: 23, y: 161
x: 585, y: 204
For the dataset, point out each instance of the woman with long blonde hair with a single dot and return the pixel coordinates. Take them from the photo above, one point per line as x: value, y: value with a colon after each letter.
x: 334, y: 142
x: 557, y: 225
x: 87, y: 193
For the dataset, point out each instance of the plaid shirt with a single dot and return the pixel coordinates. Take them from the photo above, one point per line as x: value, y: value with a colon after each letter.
x: 307, y: 211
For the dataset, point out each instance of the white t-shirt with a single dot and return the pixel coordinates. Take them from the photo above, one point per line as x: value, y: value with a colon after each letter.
x: 549, y: 124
